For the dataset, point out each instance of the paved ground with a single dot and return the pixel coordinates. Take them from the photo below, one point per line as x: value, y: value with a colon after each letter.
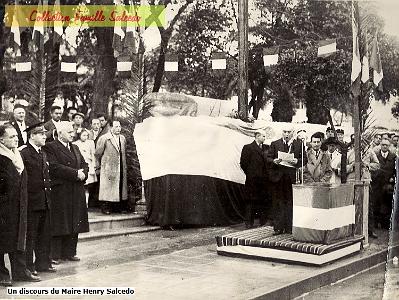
x: 180, y: 264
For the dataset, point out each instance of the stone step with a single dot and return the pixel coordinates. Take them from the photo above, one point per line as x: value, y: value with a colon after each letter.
x: 106, y: 226
x: 96, y: 235
x: 99, y: 222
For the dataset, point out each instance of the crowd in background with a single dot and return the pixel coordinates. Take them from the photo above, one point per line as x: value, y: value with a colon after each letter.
x: 270, y: 174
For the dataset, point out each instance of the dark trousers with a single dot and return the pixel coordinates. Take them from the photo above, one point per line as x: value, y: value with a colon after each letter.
x: 256, y: 200
x: 93, y: 194
x: 282, y: 204
x: 64, y: 246
x: 18, y: 265
x: 38, y: 240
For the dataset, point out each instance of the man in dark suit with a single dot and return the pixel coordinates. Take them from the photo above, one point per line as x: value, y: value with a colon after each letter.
x: 384, y: 180
x: 68, y: 172
x: 13, y: 207
x: 38, y: 231
x: 282, y: 176
x: 253, y: 163
x: 50, y: 126
x: 18, y: 122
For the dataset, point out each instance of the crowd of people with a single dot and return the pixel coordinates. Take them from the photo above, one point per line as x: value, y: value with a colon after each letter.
x: 49, y: 172
x: 272, y: 170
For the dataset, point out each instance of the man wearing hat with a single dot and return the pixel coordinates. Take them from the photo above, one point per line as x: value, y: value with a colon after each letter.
x: 340, y: 135
x: 38, y: 226
x: 329, y: 132
x: 318, y: 167
x: 335, y: 157
x: 77, y: 119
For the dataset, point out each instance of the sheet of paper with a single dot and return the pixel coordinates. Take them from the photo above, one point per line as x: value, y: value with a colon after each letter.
x: 284, y: 156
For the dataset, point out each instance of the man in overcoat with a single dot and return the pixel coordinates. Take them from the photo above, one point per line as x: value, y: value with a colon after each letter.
x: 384, y: 183
x: 19, y: 123
x: 39, y: 230
x: 254, y: 164
x: 68, y: 172
x: 13, y: 209
x: 282, y: 176
x: 111, y: 164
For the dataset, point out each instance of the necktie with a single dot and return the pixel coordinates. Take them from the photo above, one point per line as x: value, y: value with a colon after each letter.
x: 39, y: 151
x: 285, y: 147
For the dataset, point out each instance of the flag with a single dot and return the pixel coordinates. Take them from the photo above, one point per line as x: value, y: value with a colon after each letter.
x: 124, y: 66
x: 171, y: 63
x: 375, y: 63
x: 58, y: 30
x: 16, y: 34
x: 365, y: 64
x: 38, y: 28
x: 22, y: 64
x: 119, y: 34
x: 218, y: 61
x: 327, y: 47
x: 68, y: 64
x: 270, y: 56
x: 356, y: 64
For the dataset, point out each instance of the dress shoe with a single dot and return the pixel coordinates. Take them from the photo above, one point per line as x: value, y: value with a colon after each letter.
x: 48, y: 270
x: 27, y: 277
x: 34, y: 272
x: 5, y: 282
x: 373, y: 235
x: 278, y: 232
x: 73, y: 258
x: 55, y: 261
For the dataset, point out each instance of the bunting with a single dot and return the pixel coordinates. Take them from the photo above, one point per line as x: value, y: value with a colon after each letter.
x: 327, y: 47
x: 218, y: 61
x: 270, y: 56
x: 171, y: 63
x: 365, y: 63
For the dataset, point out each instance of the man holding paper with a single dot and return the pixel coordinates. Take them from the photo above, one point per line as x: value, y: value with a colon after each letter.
x: 285, y: 155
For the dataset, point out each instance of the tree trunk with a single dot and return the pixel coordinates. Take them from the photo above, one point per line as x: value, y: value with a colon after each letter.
x: 165, y: 36
x: 105, y: 70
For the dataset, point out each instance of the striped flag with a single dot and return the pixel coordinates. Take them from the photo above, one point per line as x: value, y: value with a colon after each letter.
x: 365, y: 64
x: 327, y: 47
x: 38, y: 28
x: 16, y: 34
x: 171, y: 63
x: 22, y: 64
x: 58, y: 29
x: 270, y: 56
x: 375, y: 63
x: 356, y: 64
x: 68, y: 64
x: 218, y: 61
x: 119, y: 34
x: 124, y: 66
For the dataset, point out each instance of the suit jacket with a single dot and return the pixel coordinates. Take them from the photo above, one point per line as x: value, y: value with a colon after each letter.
x: 277, y: 171
x: 68, y: 206
x: 387, y: 168
x: 21, y: 141
x: 317, y: 169
x: 37, y: 169
x: 51, y: 131
x: 253, y: 161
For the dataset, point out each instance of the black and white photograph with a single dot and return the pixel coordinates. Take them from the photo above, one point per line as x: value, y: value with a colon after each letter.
x: 199, y: 149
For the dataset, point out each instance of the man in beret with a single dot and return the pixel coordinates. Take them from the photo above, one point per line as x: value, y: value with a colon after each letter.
x: 329, y: 132
x: 38, y: 229
x: 340, y: 135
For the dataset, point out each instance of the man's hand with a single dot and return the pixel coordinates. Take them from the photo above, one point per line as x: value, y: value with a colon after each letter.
x: 81, y: 175
x: 277, y: 161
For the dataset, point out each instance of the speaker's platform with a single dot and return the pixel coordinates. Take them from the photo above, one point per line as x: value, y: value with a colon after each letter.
x: 260, y: 243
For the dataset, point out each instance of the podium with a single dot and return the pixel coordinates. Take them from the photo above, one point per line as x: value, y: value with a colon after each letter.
x: 323, y: 213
